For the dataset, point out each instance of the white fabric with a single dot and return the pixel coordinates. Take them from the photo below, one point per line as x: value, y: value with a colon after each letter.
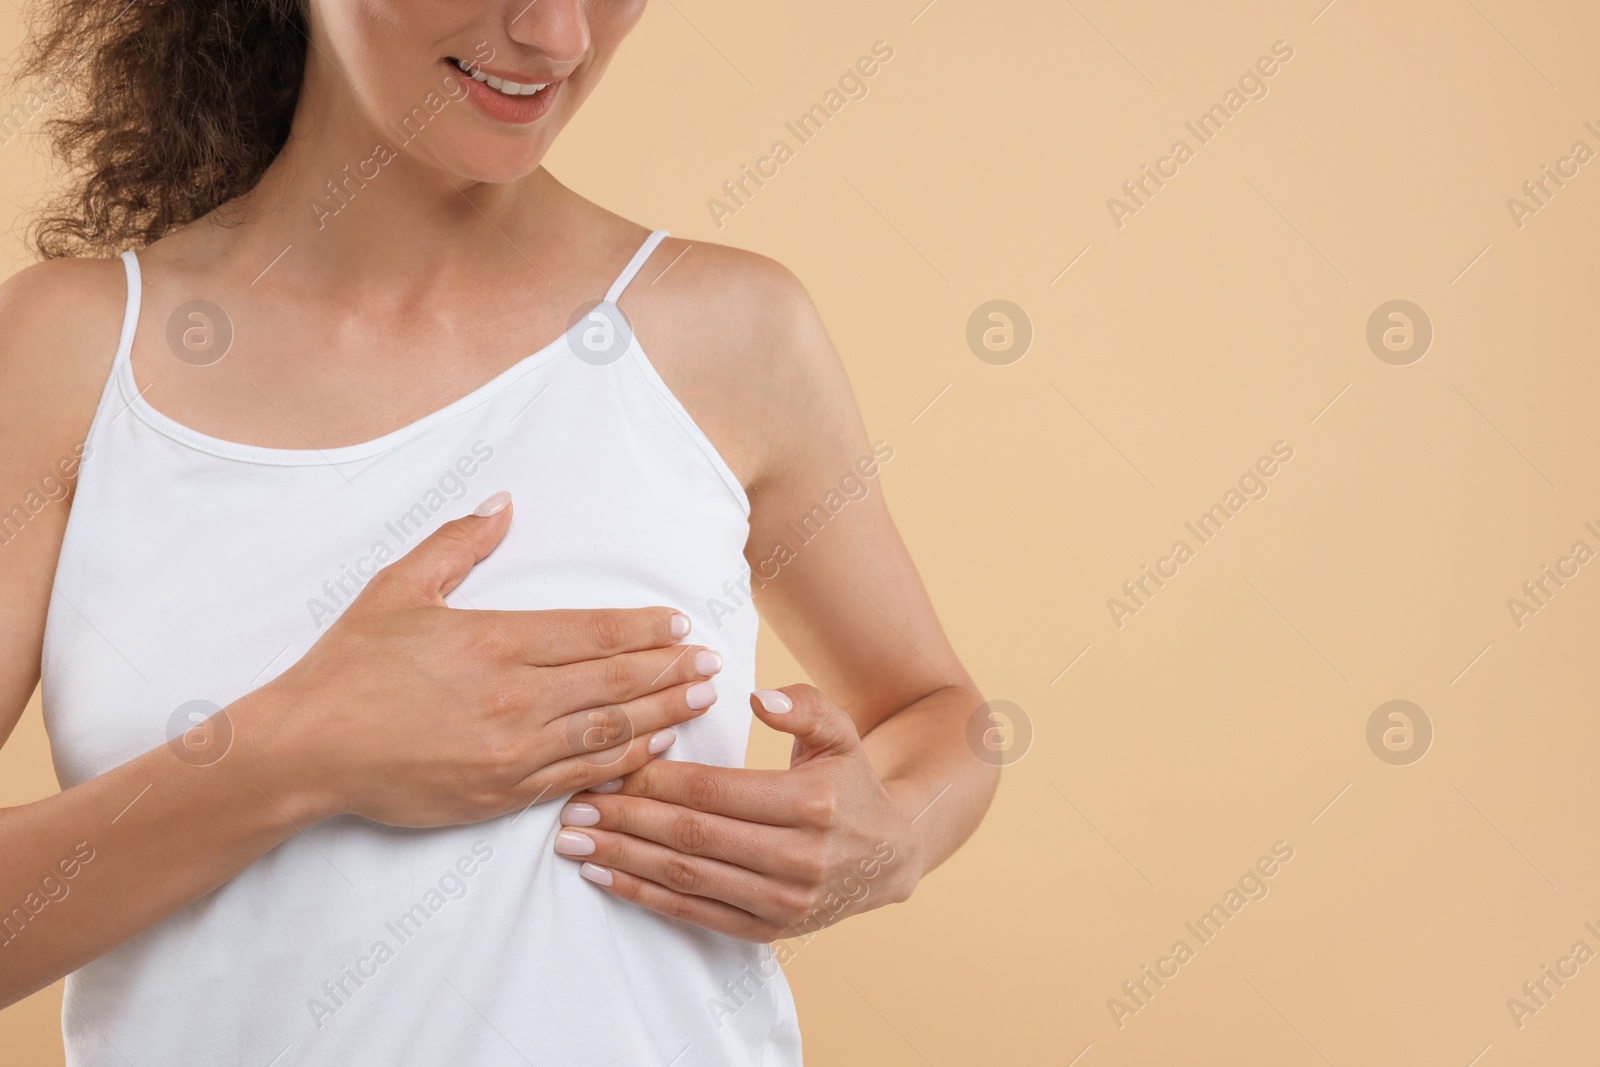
x: 197, y: 569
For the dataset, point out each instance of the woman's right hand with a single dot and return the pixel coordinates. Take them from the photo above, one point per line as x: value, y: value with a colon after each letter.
x: 413, y: 713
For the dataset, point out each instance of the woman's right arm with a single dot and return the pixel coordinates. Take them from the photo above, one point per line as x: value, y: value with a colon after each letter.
x: 405, y: 711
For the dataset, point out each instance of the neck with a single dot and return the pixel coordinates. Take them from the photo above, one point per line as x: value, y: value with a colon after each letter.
x: 359, y: 200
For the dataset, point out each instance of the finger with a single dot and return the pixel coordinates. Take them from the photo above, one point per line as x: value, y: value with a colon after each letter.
x: 818, y: 725
x: 776, y: 798
x: 694, y: 876
x: 598, y: 734
x: 753, y: 846
x: 711, y: 914
x: 443, y: 559
x: 573, y: 635
x: 575, y: 774
x: 630, y: 675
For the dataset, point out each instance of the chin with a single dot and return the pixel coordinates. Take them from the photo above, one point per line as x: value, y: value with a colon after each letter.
x: 496, y: 170
x: 489, y: 160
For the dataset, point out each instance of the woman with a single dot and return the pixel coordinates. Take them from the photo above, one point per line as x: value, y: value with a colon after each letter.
x: 313, y: 714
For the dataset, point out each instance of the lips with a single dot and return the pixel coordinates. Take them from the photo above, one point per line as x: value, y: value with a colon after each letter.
x: 506, y: 86
x: 516, y: 98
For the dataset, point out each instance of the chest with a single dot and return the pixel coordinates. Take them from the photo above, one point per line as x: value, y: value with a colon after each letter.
x: 187, y: 577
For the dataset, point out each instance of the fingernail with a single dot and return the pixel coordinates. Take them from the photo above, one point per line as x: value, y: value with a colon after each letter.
x: 613, y: 786
x: 775, y: 702
x: 572, y: 843
x: 701, y: 695
x: 576, y: 814
x: 661, y: 741
x: 494, y: 505
x: 595, y: 873
x: 707, y: 662
x: 680, y: 626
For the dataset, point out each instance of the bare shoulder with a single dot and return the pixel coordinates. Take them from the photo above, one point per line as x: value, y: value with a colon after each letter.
x: 737, y: 336
x: 59, y: 324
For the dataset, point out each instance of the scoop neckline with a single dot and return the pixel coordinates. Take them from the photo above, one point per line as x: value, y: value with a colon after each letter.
x: 306, y: 457
x: 162, y: 423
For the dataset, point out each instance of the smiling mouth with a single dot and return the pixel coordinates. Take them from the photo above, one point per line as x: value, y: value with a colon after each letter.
x: 499, y: 85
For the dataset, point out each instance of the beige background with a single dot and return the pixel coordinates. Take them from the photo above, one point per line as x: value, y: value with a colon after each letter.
x: 1227, y: 314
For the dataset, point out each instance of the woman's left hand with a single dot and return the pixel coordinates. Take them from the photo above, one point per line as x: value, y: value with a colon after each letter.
x: 756, y: 854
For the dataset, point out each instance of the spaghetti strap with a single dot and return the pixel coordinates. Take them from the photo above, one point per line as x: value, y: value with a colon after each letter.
x: 130, y: 314
x: 649, y: 246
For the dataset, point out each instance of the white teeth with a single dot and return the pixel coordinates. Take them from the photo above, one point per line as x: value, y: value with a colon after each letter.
x: 509, y: 88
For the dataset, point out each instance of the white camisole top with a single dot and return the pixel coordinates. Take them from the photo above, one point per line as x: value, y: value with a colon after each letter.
x: 197, y: 569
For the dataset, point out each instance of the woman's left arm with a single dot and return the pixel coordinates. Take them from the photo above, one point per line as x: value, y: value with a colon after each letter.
x: 882, y: 784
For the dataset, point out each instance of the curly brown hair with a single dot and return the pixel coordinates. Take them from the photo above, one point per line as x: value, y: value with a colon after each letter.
x: 164, y: 110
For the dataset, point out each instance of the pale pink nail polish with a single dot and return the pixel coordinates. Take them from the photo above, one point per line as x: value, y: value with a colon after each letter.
x: 613, y: 786
x: 494, y: 505
x: 680, y: 625
x: 595, y: 873
x: 707, y: 662
x: 576, y: 814
x: 661, y: 741
x: 775, y: 702
x: 701, y: 695
x: 572, y: 843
